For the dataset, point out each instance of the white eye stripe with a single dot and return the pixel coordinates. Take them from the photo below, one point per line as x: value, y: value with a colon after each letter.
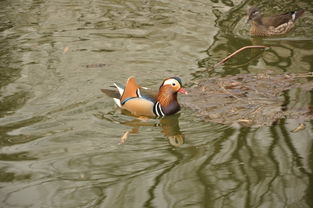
x: 173, y: 82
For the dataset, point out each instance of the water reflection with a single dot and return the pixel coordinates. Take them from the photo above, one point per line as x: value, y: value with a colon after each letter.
x: 255, y: 165
x: 288, y: 53
x: 169, y: 128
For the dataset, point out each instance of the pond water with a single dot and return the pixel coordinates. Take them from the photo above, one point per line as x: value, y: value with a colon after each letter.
x: 60, y: 137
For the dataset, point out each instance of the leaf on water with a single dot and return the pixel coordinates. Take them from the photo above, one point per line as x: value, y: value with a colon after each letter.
x: 66, y: 49
x: 299, y: 128
x: 245, y: 122
x: 124, y: 137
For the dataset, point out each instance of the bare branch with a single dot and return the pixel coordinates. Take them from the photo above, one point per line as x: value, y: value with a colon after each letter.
x: 236, y: 52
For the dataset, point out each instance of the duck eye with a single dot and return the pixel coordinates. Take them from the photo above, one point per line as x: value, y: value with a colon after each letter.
x: 173, y: 84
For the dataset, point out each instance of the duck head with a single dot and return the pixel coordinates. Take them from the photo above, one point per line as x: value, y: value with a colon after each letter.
x: 173, y: 85
x: 167, y: 96
x: 254, y: 14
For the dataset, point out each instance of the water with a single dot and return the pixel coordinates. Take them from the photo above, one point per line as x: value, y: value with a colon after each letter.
x: 59, y: 135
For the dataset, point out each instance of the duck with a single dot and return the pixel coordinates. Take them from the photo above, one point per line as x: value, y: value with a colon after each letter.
x: 141, y: 102
x: 271, y: 25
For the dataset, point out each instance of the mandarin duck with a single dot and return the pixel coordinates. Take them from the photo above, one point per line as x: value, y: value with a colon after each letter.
x: 139, y: 102
x: 272, y: 25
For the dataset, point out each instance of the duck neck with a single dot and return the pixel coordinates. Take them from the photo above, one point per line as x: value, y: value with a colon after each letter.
x: 168, y: 100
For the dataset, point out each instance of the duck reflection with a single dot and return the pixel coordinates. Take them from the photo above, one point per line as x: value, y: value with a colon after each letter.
x: 169, y: 127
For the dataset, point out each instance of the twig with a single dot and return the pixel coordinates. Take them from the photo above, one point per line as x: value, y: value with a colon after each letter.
x: 220, y: 84
x: 236, y: 52
x: 304, y: 75
x: 240, y: 65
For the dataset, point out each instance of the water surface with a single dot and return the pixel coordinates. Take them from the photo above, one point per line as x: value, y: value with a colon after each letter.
x: 59, y: 135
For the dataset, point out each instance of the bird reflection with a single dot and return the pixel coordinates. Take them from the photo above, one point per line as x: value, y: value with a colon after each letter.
x: 169, y: 127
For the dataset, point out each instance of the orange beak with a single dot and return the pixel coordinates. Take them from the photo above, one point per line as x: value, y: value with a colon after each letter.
x: 183, y: 91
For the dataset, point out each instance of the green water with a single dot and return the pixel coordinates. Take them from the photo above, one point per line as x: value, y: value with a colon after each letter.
x: 59, y: 135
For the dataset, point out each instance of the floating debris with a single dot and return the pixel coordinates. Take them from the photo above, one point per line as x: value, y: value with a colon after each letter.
x: 66, y: 49
x: 299, y: 128
x: 247, y: 99
x: 124, y: 137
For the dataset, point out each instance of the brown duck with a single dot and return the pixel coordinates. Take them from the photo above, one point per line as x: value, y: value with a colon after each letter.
x: 272, y: 25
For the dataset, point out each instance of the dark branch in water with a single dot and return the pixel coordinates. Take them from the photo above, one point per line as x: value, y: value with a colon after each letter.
x: 236, y: 52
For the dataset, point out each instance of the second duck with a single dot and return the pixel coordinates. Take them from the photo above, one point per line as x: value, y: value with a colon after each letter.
x: 272, y: 25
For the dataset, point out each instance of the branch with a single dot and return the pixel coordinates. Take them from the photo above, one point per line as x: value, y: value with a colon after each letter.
x: 236, y: 52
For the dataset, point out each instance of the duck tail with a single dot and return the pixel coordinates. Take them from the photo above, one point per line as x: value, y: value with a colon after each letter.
x: 120, y: 88
x: 117, y: 102
x: 297, y: 14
